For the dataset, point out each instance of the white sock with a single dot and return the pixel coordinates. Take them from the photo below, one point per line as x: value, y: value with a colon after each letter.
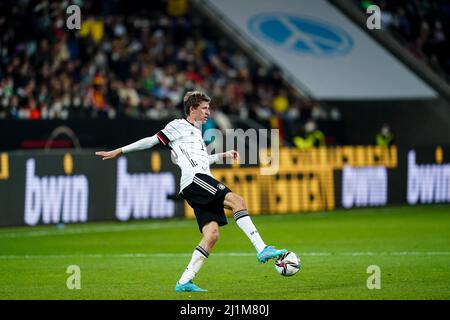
x: 198, y: 257
x: 244, y: 222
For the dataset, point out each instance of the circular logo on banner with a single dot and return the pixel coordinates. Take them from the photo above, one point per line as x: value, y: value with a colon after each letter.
x: 300, y: 34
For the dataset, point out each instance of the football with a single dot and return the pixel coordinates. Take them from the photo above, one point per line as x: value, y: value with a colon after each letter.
x: 287, y: 264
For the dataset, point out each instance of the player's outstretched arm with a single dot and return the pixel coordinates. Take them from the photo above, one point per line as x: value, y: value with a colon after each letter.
x: 142, y: 144
x: 107, y: 155
x: 233, y: 154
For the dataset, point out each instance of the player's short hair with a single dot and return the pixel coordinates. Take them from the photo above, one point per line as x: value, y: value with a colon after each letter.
x: 194, y: 99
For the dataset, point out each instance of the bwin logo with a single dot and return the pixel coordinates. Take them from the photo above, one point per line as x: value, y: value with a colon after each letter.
x: 365, y: 186
x: 56, y: 198
x: 427, y: 183
x: 302, y: 35
x: 143, y: 195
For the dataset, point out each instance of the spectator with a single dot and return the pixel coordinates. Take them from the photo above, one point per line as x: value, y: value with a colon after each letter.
x: 384, y: 138
x: 310, y: 138
x: 135, y: 66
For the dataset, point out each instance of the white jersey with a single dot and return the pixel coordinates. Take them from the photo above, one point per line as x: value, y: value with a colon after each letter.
x: 188, y: 149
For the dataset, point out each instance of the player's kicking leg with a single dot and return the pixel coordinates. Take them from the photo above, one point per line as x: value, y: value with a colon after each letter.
x: 201, y: 253
x: 243, y: 220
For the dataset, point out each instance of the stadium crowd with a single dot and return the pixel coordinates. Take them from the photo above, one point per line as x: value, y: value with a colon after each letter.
x: 131, y: 66
x: 423, y: 26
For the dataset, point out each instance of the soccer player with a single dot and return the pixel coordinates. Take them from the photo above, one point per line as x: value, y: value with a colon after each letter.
x: 207, y: 196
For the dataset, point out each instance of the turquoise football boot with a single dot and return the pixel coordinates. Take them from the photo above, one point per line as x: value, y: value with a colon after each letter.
x: 268, y: 253
x: 188, y: 287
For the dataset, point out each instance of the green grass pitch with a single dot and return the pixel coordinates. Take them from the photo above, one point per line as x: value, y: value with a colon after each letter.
x: 144, y: 259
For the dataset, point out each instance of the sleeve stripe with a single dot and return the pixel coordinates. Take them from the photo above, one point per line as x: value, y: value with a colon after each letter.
x: 163, y: 138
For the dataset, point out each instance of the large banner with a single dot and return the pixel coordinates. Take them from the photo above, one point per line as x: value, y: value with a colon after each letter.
x: 58, y: 187
x: 320, y: 179
x: 75, y: 187
x: 321, y: 49
x: 346, y: 177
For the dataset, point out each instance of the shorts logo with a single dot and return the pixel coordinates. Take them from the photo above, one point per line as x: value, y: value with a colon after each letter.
x: 220, y: 186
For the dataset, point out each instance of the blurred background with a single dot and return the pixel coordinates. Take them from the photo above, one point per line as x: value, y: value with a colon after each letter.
x: 363, y: 114
x: 340, y: 110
